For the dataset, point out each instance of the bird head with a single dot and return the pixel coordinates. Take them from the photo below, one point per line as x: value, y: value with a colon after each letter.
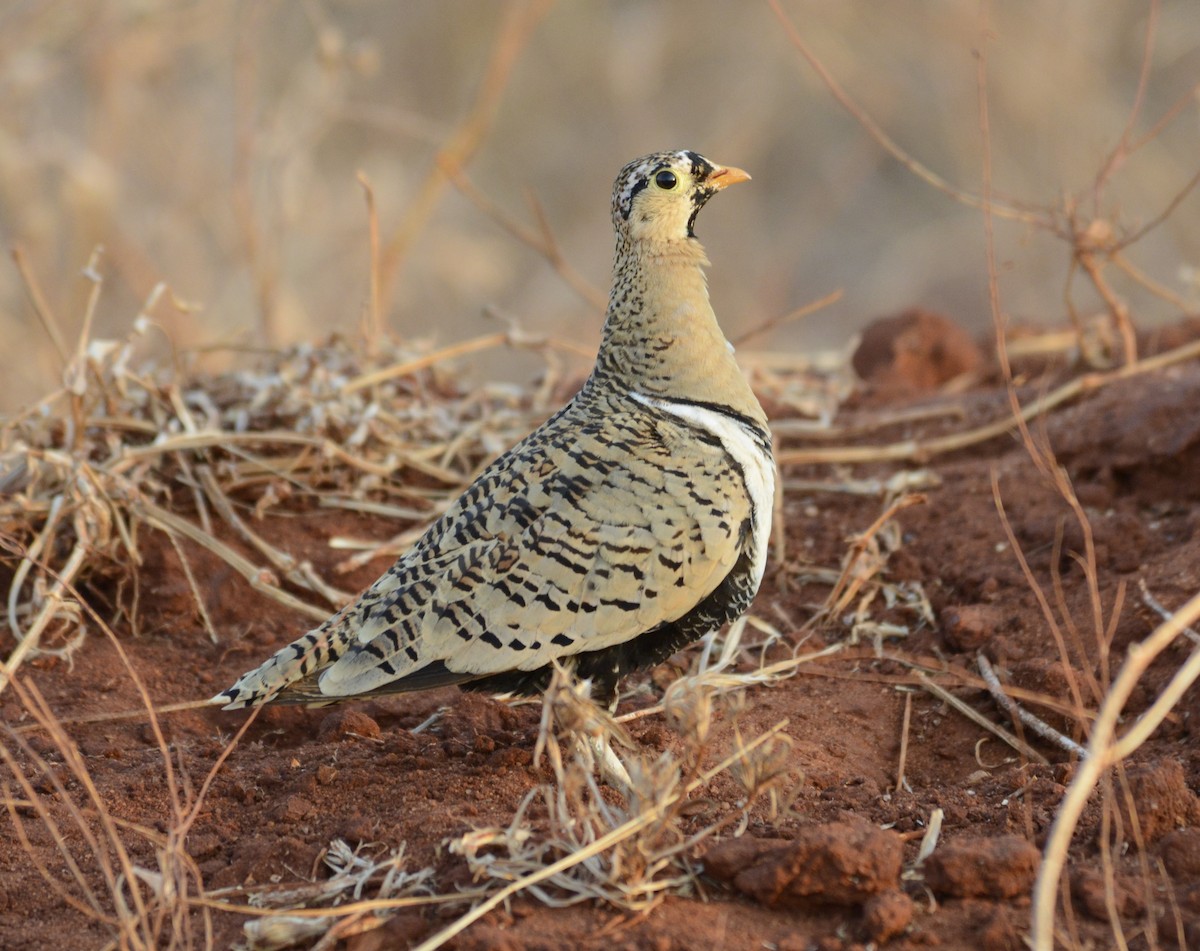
x: 656, y: 198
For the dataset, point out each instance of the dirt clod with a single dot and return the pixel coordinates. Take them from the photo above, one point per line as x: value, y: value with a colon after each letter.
x: 1003, y: 867
x: 1090, y: 892
x: 347, y: 723
x: 915, y: 351
x: 841, y: 863
x: 1180, y: 853
x: 886, y: 915
x: 1164, y: 801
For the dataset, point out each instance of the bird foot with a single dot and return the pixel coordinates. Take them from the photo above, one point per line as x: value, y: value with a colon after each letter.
x: 608, y: 765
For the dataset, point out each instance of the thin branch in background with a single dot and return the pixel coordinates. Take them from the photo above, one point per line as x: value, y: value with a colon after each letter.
x: 263, y: 268
x: 888, y: 144
x: 520, y: 20
x: 372, y: 323
x: 542, y: 241
x: 999, y: 322
x: 1092, y: 241
x: 1120, y: 151
x: 1047, y: 611
x: 1166, y: 213
x: 804, y: 310
x: 1187, y: 99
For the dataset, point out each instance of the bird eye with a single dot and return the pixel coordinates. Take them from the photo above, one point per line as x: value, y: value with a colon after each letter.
x: 666, y: 180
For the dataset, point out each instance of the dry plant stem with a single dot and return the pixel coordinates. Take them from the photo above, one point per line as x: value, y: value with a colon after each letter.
x: 904, y: 731
x: 1017, y: 712
x: 995, y: 729
x: 1174, y: 203
x: 542, y: 241
x: 1105, y: 749
x: 41, y: 307
x: 815, y: 430
x: 935, y: 666
x: 258, y: 578
x: 264, y: 271
x: 28, y: 558
x: 28, y: 641
x: 1140, y: 277
x: 851, y: 581
x: 1047, y: 612
x: 351, y: 908
x: 917, y: 451
x: 1000, y: 330
x: 121, y: 715
x: 372, y: 325
x: 197, y: 597
x: 298, y: 573
x: 1094, y: 268
x: 409, y: 367
x: 519, y: 21
x: 605, y: 842
x: 33, y: 702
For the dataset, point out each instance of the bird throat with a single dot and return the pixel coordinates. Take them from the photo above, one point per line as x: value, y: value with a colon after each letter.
x: 661, y: 337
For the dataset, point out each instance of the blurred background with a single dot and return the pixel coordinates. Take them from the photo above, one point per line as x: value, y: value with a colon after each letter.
x: 215, y: 147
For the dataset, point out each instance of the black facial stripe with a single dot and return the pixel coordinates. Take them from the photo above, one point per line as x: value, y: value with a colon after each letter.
x: 699, y: 196
x: 701, y: 167
x: 640, y: 185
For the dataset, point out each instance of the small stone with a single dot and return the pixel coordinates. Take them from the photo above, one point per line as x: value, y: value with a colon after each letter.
x: 969, y: 626
x: 296, y: 809
x: 326, y: 775
x: 347, y: 723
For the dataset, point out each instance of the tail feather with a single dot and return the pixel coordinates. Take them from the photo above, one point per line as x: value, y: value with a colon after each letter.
x: 287, y: 676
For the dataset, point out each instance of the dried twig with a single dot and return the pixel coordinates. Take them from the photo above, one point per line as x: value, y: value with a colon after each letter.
x: 1017, y: 712
x: 978, y: 718
x: 923, y: 451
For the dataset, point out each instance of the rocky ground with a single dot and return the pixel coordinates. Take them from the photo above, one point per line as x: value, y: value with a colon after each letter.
x: 831, y: 863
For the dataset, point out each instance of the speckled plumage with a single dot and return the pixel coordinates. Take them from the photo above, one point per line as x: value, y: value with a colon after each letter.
x: 631, y: 523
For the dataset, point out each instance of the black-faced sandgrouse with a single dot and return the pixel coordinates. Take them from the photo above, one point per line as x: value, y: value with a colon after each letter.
x: 632, y: 522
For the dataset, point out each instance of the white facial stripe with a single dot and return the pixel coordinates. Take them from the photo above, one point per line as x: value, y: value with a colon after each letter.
x: 758, y: 468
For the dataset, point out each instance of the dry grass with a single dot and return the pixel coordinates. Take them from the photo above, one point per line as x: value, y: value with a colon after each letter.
x: 148, y: 878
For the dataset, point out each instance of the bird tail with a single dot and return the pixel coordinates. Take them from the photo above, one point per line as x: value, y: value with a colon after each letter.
x: 287, y: 676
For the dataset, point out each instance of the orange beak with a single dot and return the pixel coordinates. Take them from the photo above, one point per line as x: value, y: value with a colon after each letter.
x: 724, y: 175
